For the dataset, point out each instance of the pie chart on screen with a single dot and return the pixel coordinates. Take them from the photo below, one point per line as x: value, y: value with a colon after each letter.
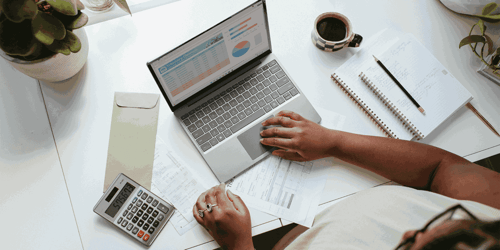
x: 241, y: 48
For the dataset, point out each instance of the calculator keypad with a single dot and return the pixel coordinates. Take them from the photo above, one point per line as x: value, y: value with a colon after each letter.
x: 143, y: 215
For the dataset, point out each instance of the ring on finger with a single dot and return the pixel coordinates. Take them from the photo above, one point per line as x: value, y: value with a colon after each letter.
x: 210, y: 206
x: 200, y: 213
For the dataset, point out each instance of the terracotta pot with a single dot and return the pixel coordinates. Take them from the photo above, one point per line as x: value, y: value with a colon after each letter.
x: 57, y: 67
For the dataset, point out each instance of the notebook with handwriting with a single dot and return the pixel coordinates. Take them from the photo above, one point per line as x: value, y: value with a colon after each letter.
x: 421, y: 74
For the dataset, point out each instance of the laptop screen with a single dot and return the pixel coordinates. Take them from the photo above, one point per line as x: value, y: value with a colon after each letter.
x: 213, y: 54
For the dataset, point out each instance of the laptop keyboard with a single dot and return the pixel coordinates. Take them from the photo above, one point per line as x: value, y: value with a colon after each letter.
x: 242, y: 103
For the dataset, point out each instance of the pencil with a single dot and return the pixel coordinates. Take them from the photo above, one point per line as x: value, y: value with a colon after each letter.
x: 474, y: 110
x: 399, y: 85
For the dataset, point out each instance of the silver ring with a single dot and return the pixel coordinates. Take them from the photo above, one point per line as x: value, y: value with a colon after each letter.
x: 200, y: 213
x: 210, y: 206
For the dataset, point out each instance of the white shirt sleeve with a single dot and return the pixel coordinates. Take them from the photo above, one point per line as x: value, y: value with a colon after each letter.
x: 377, y: 218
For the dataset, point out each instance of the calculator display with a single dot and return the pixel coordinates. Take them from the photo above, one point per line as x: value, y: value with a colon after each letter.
x: 120, y: 200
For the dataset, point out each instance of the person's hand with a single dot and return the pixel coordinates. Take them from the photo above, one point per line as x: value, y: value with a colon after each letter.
x: 299, y: 139
x: 228, y: 222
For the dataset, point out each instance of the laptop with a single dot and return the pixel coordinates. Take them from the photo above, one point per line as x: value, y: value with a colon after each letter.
x: 223, y: 83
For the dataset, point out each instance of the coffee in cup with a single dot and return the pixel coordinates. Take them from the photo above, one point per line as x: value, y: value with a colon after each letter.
x: 333, y: 31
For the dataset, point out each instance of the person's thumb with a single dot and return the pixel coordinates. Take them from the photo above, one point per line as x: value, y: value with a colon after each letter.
x: 237, y: 201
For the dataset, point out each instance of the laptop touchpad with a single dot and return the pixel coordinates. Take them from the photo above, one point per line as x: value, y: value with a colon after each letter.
x: 250, y: 140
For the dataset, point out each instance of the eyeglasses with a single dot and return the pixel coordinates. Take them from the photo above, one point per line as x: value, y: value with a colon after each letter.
x: 456, y: 212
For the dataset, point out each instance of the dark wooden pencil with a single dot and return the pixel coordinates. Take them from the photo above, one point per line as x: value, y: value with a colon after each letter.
x: 399, y: 85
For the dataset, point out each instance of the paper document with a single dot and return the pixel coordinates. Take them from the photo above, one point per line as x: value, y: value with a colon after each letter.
x: 174, y: 181
x: 180, y: 223
x: 286, y: 189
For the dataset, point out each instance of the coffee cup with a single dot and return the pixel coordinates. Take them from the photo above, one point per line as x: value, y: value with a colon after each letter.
x: 333, y: 31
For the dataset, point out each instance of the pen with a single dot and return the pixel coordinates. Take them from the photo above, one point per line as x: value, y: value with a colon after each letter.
x: 399, y: 85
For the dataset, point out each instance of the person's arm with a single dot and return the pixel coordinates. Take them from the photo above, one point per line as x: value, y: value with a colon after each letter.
x: 408, y: 163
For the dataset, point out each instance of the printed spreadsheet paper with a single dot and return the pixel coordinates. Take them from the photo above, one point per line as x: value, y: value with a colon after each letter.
x: 180, y: 223
x: 287, y: 189
x: 176, y: 184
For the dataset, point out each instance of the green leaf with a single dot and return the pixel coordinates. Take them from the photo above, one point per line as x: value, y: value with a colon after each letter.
x: 66, y: 7
x: 489, y: 8
x: 489, y: 18
x: 16, y: 38
x: 46, y: 28
x: 480, y: 23
x: 490, y: 44
x: 73, y: 22
x: 18, y: 10
x: 123, y: 5
x: 70, y: 43
x: 471, y: 39
x: 74, y: 42
x: 80, y: 5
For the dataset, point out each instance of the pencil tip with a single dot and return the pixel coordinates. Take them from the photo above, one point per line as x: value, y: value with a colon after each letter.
x: 375, y: 58
x: 421, y: 110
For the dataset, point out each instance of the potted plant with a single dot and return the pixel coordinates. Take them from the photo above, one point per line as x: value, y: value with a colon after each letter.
x: 42, y: 38
x: 482, y: 45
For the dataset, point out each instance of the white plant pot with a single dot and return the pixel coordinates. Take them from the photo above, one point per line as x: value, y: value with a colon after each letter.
x: 469, y: 7
x: 57, y: 67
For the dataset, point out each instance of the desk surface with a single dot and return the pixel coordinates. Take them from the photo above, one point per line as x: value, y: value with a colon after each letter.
x: 79, y: 109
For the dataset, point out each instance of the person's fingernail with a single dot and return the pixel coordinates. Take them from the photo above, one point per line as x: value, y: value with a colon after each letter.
x: 261, y: 140
x: 261, y: 132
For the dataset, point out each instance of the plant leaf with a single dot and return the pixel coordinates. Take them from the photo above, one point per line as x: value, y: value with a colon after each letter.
x: 74, y: 42
x: 489, y: 8
x: 495, y: 60
x: 123, y: 5
x: 489, y: 18
x: 80, y: 5
x: 16, y: 38
x: 66, y: 7
x: 70, y: 43
x: 490, y: 44
x: 46, y: 28
x: 480, y: 23
x: 73, y: 22
x: 471, y: 39
x: 18, y: 10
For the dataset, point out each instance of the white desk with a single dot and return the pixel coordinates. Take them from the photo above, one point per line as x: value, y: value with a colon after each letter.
x: 80, y: 109
x: 35, y: 207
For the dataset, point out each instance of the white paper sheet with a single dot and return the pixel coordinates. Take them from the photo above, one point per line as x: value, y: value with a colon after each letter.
x: 287, y: 189
x: 180, y: 224
x: 174, y: 181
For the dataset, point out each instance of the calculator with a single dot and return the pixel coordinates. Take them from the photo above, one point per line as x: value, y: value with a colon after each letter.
x: 134, y: 209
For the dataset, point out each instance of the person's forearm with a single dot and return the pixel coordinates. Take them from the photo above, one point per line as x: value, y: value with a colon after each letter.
x: 408, y: 163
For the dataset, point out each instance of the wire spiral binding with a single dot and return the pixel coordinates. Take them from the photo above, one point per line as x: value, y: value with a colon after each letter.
x: 382, y: 126
x: 405, y: 121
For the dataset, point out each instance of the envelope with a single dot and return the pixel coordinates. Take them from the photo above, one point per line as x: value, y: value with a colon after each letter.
x: 132, y: 137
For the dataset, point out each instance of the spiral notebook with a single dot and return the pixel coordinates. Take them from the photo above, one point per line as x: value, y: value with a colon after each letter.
x: 422, y: 75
